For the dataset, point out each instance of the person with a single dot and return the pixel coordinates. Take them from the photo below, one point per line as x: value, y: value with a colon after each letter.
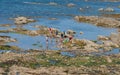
x: 62, y: 35
x: 65, y: 40
x: 50, y: 32
x: 56, y: 32
x: 47, y: 42
x: 50, y: 29
x: 70, y: 38
x: 61, y: 41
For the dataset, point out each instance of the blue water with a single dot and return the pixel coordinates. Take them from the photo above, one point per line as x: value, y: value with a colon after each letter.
x: 89, y: 31
x: 13, y: 8
x: 64, y: 15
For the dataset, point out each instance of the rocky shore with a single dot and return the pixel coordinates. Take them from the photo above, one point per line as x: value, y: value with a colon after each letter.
x: 115, y: 16
x: 39, y: 37
x: 22, y: 20
x: 53, y: 63
x: 107, y: 42
x: 50, y: 62
x: 6, y: 39
x: 99, y: 21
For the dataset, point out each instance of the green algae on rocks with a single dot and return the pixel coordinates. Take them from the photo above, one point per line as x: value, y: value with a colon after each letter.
x: 7, y: 47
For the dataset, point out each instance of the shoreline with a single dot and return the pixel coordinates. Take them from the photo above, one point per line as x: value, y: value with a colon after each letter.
x: 50, y: 37
x: 107, y: 42
x: 40, y: 62
x: 52, y: 61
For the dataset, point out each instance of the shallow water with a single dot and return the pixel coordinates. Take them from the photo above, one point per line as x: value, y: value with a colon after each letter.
x: 68, y: 54
x: 114, y: 51
x: 38, y: 42
x: 89, y: 31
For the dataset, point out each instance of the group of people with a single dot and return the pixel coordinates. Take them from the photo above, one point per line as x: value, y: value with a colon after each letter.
x: 61, y: 38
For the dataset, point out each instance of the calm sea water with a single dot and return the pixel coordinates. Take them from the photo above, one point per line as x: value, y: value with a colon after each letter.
x: 13, y: 8
x: 64, y: 15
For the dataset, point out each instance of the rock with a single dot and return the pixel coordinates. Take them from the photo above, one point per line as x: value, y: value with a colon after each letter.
x: 103, y: 69
x: 108, y: 59
x: 114, y: 16
x: 102, y: 38
x: 33, y: 32
x: 101, y: 9
x: 114, y: 37
x: 30, y: 20
x: 52, y: 18
x: 31, y: 2
x: 104, y: 66
x: 107, y: 48
x: 99, y: 21
x: 5, y: 25
x: 22, y: 20
x: 53, y: 3
x: 77, y: 18
x: 70, y: 5
x: 90, y: 43
x: 81, y: 32
x: 90, y: 46
x: 22, y: 70
x: 109, y: 9
x: 1, y: 71
x: 7, y: 39
x: 106, y: 10
x: 109, y: 44
x: 41, y: 27
x: 13, y: 40
x: 70, y: 32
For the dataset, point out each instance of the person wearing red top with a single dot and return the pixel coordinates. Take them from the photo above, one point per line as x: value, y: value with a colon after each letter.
x: 70, y: 38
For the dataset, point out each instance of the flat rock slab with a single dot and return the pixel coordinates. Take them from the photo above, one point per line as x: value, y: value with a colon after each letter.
x: 99, y: 21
